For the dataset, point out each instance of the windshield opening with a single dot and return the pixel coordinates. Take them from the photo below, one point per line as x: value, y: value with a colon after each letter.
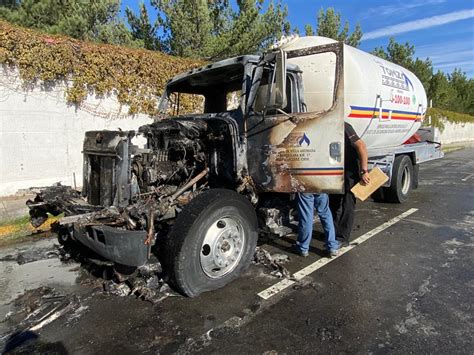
x: 210, y: 91
x: 261, y: 97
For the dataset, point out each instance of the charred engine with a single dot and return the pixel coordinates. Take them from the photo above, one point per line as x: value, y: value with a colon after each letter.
x: 135, y: 183
x: 175, y: 152
x: 122, y: 167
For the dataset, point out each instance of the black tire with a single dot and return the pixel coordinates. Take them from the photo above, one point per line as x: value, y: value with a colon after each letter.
x: 64, y: 239
x: 402, y: 180
x: 64, y: 235
x: 379, y: 195
x: 184, y: 249
x: 416, y: 176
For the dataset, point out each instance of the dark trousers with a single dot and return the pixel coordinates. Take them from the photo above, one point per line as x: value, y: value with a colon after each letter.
x: 342, y: 209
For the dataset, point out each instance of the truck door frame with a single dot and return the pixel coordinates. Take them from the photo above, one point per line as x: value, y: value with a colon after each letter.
x: 272, y: 128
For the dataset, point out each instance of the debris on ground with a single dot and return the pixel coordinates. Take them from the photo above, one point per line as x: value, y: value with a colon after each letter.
x: 146, y: 284
x: 31, y: 255
x: 113, y: 288
x: 37, y: 308
x: 272, y: 262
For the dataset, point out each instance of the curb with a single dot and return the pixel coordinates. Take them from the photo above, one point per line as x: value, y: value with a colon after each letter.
x: 453, y: 147
x: 14, y: 207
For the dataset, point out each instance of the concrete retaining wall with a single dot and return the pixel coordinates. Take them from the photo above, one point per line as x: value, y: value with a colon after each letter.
x: 457, y: 132
x: 41, y: 135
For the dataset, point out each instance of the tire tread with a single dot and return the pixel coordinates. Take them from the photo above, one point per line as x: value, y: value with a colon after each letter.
x: 173, y: 255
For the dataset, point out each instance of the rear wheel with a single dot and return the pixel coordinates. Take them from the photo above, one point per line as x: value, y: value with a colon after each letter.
x: 402, y: 180
x: 212, y: 242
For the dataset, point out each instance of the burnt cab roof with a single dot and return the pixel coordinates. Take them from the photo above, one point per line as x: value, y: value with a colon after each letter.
x: 222, y: 71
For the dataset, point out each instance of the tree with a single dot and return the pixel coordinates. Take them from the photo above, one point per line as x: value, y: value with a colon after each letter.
x: 463, y: 87
x: 423, y: 69
x: 329, y: 25
x: 94, y: 20
x: 401, y: 54
x: 441, y: 92
x: 188, y: 27
x: 142, y: 29
x: 214, y: 30
x: 254, y: 29
x: 308, y: 30
x: 9, y: 3
x: 452, y: 92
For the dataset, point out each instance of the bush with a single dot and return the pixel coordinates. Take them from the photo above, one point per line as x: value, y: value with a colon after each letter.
x: 439, y: 115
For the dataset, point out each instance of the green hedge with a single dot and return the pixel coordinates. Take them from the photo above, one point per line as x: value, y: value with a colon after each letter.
x: 439, y: 115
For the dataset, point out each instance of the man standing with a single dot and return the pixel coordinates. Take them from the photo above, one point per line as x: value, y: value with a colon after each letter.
x: 355, y: 168
x: 306, y: 204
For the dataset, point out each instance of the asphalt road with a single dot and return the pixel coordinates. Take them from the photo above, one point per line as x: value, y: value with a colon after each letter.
x: 406, y: 289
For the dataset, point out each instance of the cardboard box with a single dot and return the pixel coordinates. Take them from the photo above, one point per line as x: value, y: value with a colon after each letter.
x: 377, y: 179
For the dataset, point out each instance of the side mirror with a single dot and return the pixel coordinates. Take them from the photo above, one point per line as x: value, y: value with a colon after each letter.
x: 278, y: 95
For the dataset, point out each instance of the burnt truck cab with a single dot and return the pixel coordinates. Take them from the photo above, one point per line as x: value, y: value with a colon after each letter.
x: 197, y: 185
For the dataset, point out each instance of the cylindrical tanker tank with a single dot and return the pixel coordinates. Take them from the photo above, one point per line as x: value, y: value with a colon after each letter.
x: 384, y: 102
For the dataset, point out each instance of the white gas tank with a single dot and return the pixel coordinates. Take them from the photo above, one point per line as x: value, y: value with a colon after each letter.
x: 371, y: 86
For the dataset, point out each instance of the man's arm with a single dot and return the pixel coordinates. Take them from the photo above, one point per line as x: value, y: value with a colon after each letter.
x: 361, y: 148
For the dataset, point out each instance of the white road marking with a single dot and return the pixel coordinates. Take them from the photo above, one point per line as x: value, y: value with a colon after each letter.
x: 467, y: 177
x: 280, y: 286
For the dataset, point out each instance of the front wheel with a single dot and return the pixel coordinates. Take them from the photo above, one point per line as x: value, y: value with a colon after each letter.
x: 212, y: 242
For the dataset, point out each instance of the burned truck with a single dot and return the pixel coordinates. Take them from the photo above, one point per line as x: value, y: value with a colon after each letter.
x: 195, y: 189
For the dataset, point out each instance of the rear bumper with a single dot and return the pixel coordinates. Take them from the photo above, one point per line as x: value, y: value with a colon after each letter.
x: 120, y: 246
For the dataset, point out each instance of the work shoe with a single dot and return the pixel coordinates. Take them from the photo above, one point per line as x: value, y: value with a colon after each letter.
x: 343, y: 243
x: 332, y: 253
x: 296, y: 249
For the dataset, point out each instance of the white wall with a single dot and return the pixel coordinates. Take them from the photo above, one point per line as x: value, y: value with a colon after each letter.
x: 457, y: 132
x: 41, y: 135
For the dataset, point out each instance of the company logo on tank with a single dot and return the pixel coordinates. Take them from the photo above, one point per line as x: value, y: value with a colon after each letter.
x: 304, y: 141
x: 395, y: 78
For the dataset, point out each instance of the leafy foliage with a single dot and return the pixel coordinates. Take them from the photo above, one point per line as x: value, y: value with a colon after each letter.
x: 440, y: 116
x: 92, y: 20
x: 136, y: 76
x: 401, y: 54
x: 464, y: 89
x: 329, y: 25
x: 214, y: 30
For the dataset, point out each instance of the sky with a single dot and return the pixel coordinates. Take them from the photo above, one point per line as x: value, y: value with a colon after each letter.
x: 442, y: 30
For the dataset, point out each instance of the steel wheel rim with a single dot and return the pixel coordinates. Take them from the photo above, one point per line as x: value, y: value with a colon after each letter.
x: 405, y: 180
x: 222, y: 247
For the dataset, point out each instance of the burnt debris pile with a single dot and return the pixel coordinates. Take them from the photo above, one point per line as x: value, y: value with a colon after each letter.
x: 147, y: 282
x: 272, y: 263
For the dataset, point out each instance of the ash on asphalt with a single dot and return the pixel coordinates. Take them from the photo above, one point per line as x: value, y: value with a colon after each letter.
x: 57, y: 280
x: 43, y: 280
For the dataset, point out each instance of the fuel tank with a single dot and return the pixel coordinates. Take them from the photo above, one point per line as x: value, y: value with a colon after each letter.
x: 384, y: 102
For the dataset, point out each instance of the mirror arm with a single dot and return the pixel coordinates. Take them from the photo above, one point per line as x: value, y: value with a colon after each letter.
x: 257, y: 77
x: 271, y: 84
x: 292, y: 118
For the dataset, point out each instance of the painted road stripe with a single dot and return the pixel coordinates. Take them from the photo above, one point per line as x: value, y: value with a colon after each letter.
x: 280, y: 286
